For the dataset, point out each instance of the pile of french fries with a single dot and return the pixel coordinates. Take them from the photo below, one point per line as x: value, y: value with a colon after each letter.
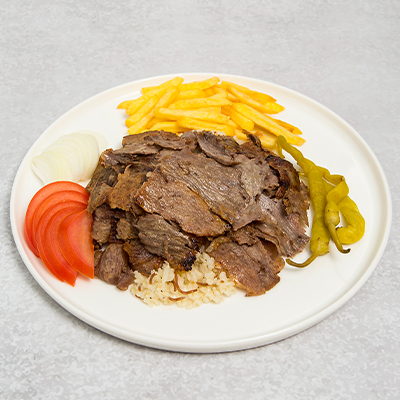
x: 211, y: 105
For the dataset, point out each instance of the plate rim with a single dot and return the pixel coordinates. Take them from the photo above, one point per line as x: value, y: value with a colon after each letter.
x: 216, y: 346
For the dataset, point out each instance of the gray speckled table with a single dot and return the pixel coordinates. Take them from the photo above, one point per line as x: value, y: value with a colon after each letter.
x: 56, y: 54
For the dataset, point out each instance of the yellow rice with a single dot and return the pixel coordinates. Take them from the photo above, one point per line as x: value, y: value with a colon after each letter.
x: 205, y: 283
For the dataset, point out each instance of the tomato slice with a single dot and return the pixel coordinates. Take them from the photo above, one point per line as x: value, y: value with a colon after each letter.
x: 43, y: 193
x: 49, y: 202
x: 48, y: 214
x: 49, y: 250
x: 75, y: 242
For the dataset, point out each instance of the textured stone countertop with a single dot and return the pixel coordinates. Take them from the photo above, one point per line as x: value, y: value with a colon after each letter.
x: 342, y: 54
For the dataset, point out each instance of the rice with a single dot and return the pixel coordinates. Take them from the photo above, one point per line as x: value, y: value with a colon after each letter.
x: 204, y: 283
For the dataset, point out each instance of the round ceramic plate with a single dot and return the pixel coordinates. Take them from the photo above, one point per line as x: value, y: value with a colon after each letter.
x: 302, y: 298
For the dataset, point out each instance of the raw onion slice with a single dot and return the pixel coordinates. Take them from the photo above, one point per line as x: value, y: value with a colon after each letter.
x: 72, y: 157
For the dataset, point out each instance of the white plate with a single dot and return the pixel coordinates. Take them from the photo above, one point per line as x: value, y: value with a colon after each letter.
x: 303, y: 297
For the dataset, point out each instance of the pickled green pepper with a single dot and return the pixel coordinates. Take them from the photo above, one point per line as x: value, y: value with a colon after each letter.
x: 329, y: 197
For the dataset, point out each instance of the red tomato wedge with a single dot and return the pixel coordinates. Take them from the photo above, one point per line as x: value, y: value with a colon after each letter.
x: 58, y: 230
x: 75, y: 241
x: 49, y: 202
x: 39, y: 197
x: 49, y: 250
x: 48, y: 214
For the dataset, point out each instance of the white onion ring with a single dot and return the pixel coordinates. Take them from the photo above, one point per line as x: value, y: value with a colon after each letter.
x: 72, y: 157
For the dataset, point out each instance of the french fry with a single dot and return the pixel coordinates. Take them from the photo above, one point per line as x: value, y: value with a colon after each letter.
x: 191, y: 94
x: 204, y: 114
x: 211, y: 101
x: 168, y: 97
x: 141, y: 125
x: 288, y: 126
x: 209, y: 105
x: 268, y: 108
x: 297, y: 131
x: 219, y: 89
x: 264, y: 98
x: 165, y: 85
x: 240, y: 135
x: 205, y: 84
x: 192, y: 123
x: 240, y: 119
x: 142, y: 112
x: 267, y: 139
x: 234, y: 124
x: 125, y: 104
x: 267, y: 123
x: 137, y: 104
x: 209, y: 91
x: 220, y: 94
x: 157, y: 91
x: 238, y: 130
x: 169, y: 126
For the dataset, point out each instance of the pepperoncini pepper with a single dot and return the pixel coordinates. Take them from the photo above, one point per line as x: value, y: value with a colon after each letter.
x: 320, y: 237
x: 332, y: 216
x: 355, y: 228
x: 329, y: 197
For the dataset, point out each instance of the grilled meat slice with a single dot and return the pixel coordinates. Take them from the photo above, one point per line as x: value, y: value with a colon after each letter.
x: 122, y: 194
x: 113, y: 262
x: 254, y: 267
x: 102, y: 223
x: 103, y: 179
x: 163, y: 139
x: 140, y: 259
x: 252, y: 148
x: 174, y: 201
x: 125, y: 227
x: 221, y: 148
x: 218, y: 185
x: 291, y: 189
x: 166, y: 240
x: 111, y: 225
x: 285, y: 231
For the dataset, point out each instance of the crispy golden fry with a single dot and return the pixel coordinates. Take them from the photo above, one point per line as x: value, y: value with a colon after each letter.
x: 125, y: 104
x: 297, y: 131
x: 170, y: 126
x: 142, y: 112
x: 210, y: 105
x: 220, y: 90
x: 157, y: 91
x: 191, y: 94
x: 211, y: 101
x: 168, y: 98
x: 238, y: 130
x: 204, y: 114
x: 240, y: 135
x: 137, y: 104
x: 264, y: 98
x: 268, y: 108
x: 161, y: 98
x: 192, y: 123
x: 267, y: 139
x: 231, y: 122
x: 205, y: 84
x: 141, y: 125
x: 267, y: 123
x: 220, y: 94
x: 288, y: 126
x: 240, y: 119
x: 165, y: 85
x: 209, y: 91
